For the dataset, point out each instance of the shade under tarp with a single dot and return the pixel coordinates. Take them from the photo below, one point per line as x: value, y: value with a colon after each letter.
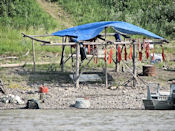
x: 91, y: 30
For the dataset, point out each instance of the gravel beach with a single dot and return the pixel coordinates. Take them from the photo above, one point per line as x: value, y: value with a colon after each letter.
x: 62, y: 93
x: 99, y: 97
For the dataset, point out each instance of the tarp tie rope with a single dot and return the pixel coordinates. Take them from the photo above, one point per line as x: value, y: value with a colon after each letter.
x: 163, y: 55
x: 130, y: 52
x: 125, y: 54
x: 119, y: 54
x: 110, y: 56
x: 140, y: 51
x: 147, y: 50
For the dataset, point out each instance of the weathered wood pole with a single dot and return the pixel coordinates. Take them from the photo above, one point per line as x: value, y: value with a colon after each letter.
x: 77, y: 65
x: 106, y: 71
x: 134, y: 64
x: 33, y: 50
x: 72, y: 59
x: 62, y: 56
x: 117, y: 62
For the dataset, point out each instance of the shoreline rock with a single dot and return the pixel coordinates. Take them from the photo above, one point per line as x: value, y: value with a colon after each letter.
x: 98, y: 96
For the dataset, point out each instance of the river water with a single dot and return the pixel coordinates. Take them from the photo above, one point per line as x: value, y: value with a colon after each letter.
x: 90, y: 120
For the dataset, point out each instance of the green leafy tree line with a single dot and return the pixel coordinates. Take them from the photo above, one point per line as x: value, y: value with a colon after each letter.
x: 157, y: 16
x: 24, y: 14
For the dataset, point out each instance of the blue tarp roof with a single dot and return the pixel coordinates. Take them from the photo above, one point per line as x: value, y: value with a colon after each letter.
x: 91, y: 30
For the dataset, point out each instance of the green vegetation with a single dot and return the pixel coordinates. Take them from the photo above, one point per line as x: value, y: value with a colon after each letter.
x: 17, y: 16
x: 157, y: 16
x: 28, y: 16
x: 24, y: 14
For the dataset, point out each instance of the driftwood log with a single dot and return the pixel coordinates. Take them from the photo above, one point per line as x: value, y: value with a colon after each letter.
x: 2, y: 87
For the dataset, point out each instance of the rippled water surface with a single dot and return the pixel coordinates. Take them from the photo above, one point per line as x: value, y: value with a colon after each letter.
x: 91, y: 120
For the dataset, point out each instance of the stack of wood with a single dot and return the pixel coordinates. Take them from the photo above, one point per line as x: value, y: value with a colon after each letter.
x: 2, y: 87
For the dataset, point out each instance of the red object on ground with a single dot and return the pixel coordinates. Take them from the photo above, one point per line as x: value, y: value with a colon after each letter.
x: 163, y: 55
x: 125, y: 54
x: 119, y: 53
x: 130, y: 52
x: 110, y: 56
x: 43, y: 89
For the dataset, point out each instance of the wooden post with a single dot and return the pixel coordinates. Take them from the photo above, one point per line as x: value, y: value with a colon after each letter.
x: 106, y: 71
x: 72, y: 59
x: 117, y: 62
x: 134, y: 64
x: 77, y: 65
x: 33, y: 50
x: 62, y: 59
x: 62, y: 56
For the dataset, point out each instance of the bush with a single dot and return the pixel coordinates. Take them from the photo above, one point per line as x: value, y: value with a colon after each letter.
x: 24, y: 14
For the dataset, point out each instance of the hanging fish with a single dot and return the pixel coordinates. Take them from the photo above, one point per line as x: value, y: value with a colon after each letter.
x: 140, y: 56
x: 147, y: 50
x: 153, y: 55
x: 163, y: 55
x: 119, y: 53
x: 130, y: 52
x: 125, y: 54
x: 140, y: 51
x: 89, y: 49
x: 110, y: 56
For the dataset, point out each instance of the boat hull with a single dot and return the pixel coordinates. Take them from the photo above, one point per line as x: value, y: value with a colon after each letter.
x: 157, y: 104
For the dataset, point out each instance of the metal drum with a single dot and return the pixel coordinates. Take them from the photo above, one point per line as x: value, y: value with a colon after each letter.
x: 148, y: 70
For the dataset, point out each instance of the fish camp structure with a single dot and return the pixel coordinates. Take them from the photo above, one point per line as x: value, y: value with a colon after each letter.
x: 86, y: 35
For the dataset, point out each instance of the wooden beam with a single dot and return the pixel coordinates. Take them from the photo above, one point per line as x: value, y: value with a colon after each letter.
x: 89, y: 43
x: 96, y: 43
x: 107, y: 34
x: 10, y: 57
x: 43, y: 41
x: 33, y: 51
x: 106, y: 71
x: 77, y: 65
x: 62, y: 56
x: 46, y: 35
x: 134, y: 65
x: 12, y: 65
x: 72, y: 59
x: 117, y: 62
x: 58, y: 44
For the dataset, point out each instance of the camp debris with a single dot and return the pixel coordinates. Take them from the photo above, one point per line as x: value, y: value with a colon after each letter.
x: 12, y: 99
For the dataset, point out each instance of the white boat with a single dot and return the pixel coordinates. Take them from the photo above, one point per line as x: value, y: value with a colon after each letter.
x: 160, y: 100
